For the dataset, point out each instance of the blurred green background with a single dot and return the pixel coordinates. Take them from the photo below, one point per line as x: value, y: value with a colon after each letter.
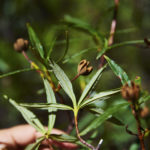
x: 46, y: 18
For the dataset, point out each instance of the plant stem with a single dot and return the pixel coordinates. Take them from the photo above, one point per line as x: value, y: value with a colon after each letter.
x: 112, y: 31
x: 79, y: 137
x: 136, y: 116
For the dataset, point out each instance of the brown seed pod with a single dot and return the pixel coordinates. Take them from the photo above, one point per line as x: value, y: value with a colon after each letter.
x: 130, y: 93
x: 84, y: 68
x: 21, y: 45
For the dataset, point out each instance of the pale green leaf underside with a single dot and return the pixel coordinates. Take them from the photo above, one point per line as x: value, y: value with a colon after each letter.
x: 101, y: 96
x: 50, y: 99
x: 64, y: 81
x: 91, y: 84
x: 29, y: 116
x: 47, y: 105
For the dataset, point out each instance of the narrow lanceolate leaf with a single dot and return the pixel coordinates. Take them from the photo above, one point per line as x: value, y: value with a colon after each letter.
x: 64, y: 81
x: 35, y: 146
x: 29, y: 116
x: 99, y: 111
x: 63, y: 138
x: 100, y: 96
x: 15, y: 72
x: 83, y: 26
x: 118, y: 71
x: 47, y: 105
x: 145, y: 97
x: 103, y: 50
x: 91, y: 84
x: 106, y: 115
x: 50, y: 99
x: 35, y: 41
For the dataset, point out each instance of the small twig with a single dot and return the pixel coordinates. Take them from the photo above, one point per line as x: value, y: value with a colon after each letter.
x: 112, y: 31
x: 113, y: 24
x: 99, y: 144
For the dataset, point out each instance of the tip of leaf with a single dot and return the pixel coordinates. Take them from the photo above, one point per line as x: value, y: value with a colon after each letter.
x: 106, y: 57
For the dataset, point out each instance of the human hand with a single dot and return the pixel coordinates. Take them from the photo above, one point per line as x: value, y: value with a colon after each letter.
x: 18, y: 137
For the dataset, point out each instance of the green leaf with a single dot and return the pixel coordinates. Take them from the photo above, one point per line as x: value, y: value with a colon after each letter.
x: 78, y: 54
x: 63, y: 138
x: 81, y: 25
x: 100, y: 96
x: 64, y: 81
x: 106, y: 115
x: 145, y: 97
x: 103, y: 50
x: 91, y: 84
x: 118, y: 71
x: 98, y: 111
x: 35, y: 41
x: 29, y: 116
x: 66, y: 49
x: 51, y: 48
x: 15, y: 72
x: 50, y: 99
x: 35, y: 146
x: 47, y: 105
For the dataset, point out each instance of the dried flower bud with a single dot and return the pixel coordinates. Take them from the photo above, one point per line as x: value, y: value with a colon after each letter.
x: 84, y: 68
x: 21, y: 45
x: 130, y: 93
x: 144, y: 112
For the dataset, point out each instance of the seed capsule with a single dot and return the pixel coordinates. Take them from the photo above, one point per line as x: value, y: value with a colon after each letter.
x: 130, y: 93
x: 84, y: 68
x: 21, y: 45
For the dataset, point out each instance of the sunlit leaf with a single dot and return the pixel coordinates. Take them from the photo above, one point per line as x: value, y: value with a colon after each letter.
x: 118, y: 71
x: 106, y: 115
x: 100, y: 96
x: 47, y: 105
x: 35, y: 41
x: 91, y: 84
x: 64, y: 81
x: 29, y: 116
x: 50, y: 99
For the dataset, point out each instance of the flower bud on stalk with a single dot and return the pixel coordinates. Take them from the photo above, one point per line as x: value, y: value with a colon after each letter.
x: 130, y: 93
x: 21, y: 45
x: 84, y: 68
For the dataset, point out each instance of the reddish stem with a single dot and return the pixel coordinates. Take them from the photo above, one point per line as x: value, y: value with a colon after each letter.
x: 79, y: 137
x: 136, y: 116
